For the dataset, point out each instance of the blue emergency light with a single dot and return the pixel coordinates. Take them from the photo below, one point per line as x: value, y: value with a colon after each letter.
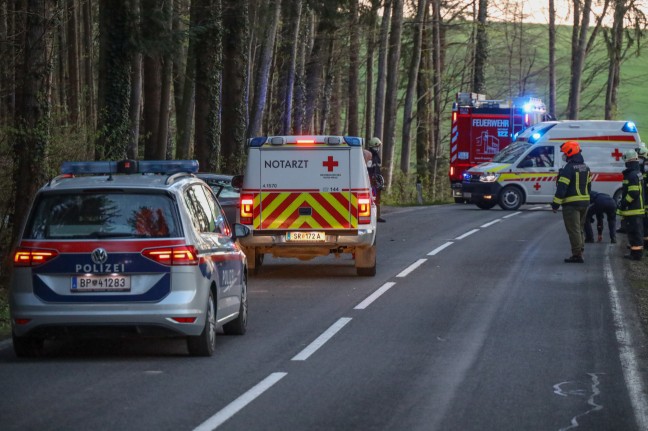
x: 630, y: 127
x: 130, y: 167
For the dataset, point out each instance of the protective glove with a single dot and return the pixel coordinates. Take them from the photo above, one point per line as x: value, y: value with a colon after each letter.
x: 554, y: 206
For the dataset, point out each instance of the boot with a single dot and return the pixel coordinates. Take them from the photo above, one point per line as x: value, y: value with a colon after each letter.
x: 634, y: 255
x: 577, y: 258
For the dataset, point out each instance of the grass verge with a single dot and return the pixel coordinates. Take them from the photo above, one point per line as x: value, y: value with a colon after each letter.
x: 5, y: 323
x: 635, y: 274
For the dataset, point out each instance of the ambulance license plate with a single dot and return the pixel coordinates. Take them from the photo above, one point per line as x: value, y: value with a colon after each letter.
x: 305, y: 236
x: 101, y: 283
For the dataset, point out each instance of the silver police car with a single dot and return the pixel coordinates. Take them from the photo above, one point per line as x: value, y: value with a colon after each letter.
x: 118, y: 248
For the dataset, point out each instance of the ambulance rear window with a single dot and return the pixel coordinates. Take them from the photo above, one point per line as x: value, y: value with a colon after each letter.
x: 102, y: 215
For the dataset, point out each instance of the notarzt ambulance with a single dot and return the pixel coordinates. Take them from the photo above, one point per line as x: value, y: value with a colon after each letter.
x: 307, y: 196
x: 526, y: 171
x: 482, y: 128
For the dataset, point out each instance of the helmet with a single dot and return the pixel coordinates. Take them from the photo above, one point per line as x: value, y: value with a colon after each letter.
x: 570, y: 148
x: 630, y: 156
x: 374, y: 142
x: 642, y: 152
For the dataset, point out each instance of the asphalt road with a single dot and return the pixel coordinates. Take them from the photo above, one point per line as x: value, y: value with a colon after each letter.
x: 473, y: 322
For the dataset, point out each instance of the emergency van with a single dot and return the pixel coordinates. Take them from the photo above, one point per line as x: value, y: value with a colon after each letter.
x: 308, y: 196
x: 482, y: 128
x: 526, y: 171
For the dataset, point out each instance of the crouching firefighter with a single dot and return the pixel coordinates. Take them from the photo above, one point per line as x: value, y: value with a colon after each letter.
x: 631, y: 206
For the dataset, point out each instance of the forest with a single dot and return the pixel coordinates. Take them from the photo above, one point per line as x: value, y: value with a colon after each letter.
x: 179, y: 79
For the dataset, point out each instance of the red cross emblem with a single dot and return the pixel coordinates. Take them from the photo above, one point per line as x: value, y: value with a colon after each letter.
x: 536, y: 186
x: 616, y: 154
x: 330, y: 163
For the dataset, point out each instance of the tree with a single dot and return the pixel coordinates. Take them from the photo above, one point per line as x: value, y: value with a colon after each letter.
x: 381, y: 79
x: 579, y: 39
x: 354, y: 67
x: 481, y: 48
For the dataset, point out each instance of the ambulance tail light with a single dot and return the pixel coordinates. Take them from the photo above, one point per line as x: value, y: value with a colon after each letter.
x: 247, y: 209
x: 24, y: 257
x: 173, y: 256
x: 364, y: 209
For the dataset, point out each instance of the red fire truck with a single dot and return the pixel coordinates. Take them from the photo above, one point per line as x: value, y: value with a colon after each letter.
x: 481, y: 128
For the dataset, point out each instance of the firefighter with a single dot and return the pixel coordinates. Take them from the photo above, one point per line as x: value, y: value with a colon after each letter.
x: 572, y: 192
x: 375, y: 176
x: 642, y: 153
x: 601, y: 204
x: 631, y: 207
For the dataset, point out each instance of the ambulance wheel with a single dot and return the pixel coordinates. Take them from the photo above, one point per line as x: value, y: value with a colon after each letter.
x: 510, y: 198
x: 364, y: 256
x: 485, y: 205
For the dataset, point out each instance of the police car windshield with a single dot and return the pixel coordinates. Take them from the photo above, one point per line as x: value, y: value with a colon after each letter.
x: 511, y: 153
x: 102, y: 215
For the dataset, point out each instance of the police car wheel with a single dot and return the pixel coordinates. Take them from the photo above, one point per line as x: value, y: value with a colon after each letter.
x: 205, y: 343
x: 238, y: 326
x: 26, y: 347
x: 510, y: 198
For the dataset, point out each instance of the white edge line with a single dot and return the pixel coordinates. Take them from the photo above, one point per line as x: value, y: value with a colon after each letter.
x: 319, y: 341
x: 412, y: 267
x: 235, y: 406
x: 467, y: 234
x: 491, y: 223
x: 377, y: 294
x: 511, y: 215
x: 538, y: 208
x: 441, y: 247
x: 629, y: 363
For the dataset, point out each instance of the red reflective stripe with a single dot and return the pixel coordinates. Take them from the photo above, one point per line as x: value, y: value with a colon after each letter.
x: 111, y: 245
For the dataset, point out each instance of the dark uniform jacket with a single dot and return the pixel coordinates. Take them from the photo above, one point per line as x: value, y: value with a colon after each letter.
x: 573, y: 184
x: 632, y: 193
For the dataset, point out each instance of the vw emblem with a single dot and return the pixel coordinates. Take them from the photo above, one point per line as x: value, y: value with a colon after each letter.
x: 99, y: 256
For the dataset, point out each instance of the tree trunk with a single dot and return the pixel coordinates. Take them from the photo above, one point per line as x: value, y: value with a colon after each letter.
x: 152, y: 31
x: 89, y: 101
x: 411, y: 87
x: 32, y: 133
x: 381, y: 79
x: 579, y: 47
x: 185, y: 111
x: 299, y: 112
x: 235, y: 40
x: 314, y: 67
x: 371, y: 42
x: 481, y: 48
x: 114, y: 79
x: 423, y: 86
x: 354, y: 69
x: 73, y: 63
x: 208, y: 79
x: 552, y: 59
x: 263, y: 69
x: 135, y: 108
x: 162, y: 149
x: 391, y: 90
x: 615, y: 47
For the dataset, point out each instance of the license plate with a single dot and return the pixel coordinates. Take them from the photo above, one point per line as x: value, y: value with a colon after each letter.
x: 305, y: 236
x: 101, y: 283
x: 467, y: 195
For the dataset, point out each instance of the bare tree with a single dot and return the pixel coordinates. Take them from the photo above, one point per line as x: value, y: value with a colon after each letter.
x: 372, y: 17
x: 481, y: 48
x: 381, y: 79
x: 579, y: 50
x: 72, y: 92
x: 152, y: 29
x: 354, y: 68
x: 552, y: 58
x: 136, y: 89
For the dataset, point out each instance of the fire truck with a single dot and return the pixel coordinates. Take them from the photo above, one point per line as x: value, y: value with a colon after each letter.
x: 482, y: 128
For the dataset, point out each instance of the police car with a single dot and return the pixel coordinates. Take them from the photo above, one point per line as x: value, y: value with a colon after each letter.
x: 128, y: 248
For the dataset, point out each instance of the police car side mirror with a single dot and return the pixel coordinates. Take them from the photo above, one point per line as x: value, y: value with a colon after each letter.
x: 240, y: 231
x: 237, y: 182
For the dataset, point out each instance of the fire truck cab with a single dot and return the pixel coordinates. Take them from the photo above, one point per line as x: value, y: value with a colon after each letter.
x: 308, y: 196
x: 482, y: 128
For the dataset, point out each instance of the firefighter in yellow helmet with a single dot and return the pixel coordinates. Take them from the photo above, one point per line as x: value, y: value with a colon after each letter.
x: 572, y: 193
x: 631, y: 206
x: 377, y: 181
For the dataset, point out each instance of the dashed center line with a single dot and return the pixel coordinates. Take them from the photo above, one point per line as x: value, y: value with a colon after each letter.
x: 319, y: 341
x: 467, y: 234
x: 491, y: 223
x: 411, y: 268
x: 371, y: 298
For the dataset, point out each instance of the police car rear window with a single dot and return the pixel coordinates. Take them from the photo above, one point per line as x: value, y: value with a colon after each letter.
x: 103, y: 215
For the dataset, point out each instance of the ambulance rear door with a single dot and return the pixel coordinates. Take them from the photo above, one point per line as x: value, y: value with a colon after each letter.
x: 306, y: 188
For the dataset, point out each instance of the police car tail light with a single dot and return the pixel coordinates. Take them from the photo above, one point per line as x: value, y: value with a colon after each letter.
x: 33, y: 256
x: 247, y: 206
x: 172, y: 256
x: 364, y: 209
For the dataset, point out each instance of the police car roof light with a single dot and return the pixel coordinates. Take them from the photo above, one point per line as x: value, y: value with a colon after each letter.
x: 144, y: 167
x: 257, y: 142
x: 80, y: 168
x: 277, y: 140
x: 353, y: 141
x: 630, y: 127
x: 333, y: 140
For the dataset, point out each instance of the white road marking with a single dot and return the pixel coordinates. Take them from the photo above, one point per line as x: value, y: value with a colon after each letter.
x: 629, y: 363
x: 412, y: 267
x: 511, y: 215
x: 371, y: 298
x: 319, y: 341
x: 441, y: 247
x: 235, y: 406
x: 538, y: 208
x: 491, y: 223
x: 467, y: 234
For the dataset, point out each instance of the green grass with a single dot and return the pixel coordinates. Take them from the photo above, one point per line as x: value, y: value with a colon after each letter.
x: 5, y: 323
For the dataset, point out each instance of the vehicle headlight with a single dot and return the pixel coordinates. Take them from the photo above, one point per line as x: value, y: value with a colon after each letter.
x: 489, y: 177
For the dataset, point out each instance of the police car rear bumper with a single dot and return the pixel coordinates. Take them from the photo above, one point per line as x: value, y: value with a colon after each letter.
x: 480, y: 192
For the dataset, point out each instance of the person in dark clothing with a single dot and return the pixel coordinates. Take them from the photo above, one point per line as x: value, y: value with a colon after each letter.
x: 601, y: 205
x: 572, y: 193
x: 642, y: 153
x: 631, y: 207
x: 377, y: 181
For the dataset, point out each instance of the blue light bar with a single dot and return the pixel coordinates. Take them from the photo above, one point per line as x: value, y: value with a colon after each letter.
x: 257, y: 142
x: 144, y: 167
x: 353, y: 141
x: 630, y: 127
